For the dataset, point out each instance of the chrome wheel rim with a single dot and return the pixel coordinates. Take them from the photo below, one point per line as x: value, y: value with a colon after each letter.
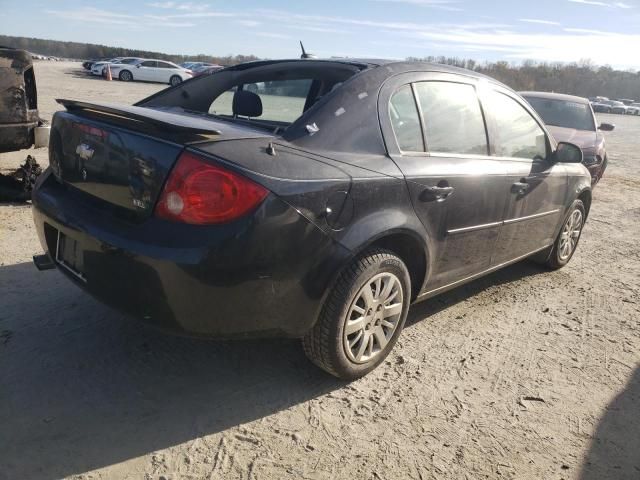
x: 175, y: 81
x: 373, y: 318
x: 570, y: 235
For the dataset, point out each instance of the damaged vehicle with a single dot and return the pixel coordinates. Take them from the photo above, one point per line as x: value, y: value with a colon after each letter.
x: 20, y: 124
x: 314, y: 199
x: 18, y: 100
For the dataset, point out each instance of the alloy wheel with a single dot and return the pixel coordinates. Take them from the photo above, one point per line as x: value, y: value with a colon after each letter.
x: 570, y: 235
x: 373, y: 317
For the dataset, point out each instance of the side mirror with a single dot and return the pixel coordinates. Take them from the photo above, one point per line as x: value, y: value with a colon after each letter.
x: 568, y: 153
x: 138, y: 66
x: 606, y: 127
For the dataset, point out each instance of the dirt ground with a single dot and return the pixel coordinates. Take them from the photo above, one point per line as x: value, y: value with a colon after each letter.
x: 523, y: 374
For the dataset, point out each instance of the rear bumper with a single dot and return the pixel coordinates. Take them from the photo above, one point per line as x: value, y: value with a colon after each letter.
x: 266, y: 274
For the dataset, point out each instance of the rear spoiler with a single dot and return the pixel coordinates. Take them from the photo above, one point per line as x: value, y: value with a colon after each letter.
x: 168, y: 121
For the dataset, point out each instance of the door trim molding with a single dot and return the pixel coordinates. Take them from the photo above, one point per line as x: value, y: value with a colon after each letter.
x: 473, y: 228
x: 510, y: 221
x: 530, y: 217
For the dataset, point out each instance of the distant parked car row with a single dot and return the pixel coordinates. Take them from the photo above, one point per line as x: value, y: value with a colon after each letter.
x: 201, y: 68
x: 623, y: 106
x: 129, y: 69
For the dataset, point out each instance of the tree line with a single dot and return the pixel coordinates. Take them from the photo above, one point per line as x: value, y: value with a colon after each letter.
x: 582, y: 78
x: 84, y: 51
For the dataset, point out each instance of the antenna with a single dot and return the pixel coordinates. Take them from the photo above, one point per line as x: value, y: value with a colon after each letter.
x: 304, y: 52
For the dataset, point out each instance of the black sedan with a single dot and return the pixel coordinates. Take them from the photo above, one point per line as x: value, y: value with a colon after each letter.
x: 305, y: 198
x: 571, y: 119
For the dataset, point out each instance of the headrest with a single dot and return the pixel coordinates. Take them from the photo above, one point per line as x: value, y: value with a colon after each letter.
x: 247, y: 104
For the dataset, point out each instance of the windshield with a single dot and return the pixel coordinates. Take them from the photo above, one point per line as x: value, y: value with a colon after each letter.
x: 272, y: 96
x: 563, y: 113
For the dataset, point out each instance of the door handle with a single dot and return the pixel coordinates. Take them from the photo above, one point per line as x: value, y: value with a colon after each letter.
x: 436, y: 193
x: 520, y: 187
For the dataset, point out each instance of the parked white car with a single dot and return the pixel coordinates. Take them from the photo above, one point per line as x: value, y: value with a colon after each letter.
x: 633, y: 109
x: 99, y: 68
x: 147, y: 70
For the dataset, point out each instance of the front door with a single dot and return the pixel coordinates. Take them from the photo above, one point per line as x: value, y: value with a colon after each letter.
x: 536, y: 195
x: 456, y: 188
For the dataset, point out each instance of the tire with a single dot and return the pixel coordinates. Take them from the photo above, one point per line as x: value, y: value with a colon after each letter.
x: 175, y: 80
x: 559, y: 255
x: 355, y: 302
x: 125, y: 76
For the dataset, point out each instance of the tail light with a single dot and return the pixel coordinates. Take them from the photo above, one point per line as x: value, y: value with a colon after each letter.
x: 201, y: 193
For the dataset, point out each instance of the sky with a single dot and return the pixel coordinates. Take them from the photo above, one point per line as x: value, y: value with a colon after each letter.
x: 603, y: 31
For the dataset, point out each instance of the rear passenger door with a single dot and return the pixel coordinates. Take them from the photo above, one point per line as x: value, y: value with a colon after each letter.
x: 145, y: 71
x: 439, y: 141
x: 164, y: 71
x: 535, y: 196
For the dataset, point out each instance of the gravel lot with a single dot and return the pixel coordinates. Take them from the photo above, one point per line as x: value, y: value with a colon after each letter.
x: 522, y: 374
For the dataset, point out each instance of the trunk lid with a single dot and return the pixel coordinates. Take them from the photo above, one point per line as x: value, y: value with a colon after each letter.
x: 122, y: 155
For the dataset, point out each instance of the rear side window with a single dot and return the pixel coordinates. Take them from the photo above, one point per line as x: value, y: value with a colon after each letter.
x: 405, y: 120
x: 223, y: 104
x: 452, y: 118
x: 517, y: 133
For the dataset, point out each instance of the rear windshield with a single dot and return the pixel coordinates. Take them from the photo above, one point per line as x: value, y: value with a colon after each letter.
x: 563, y: 113
x: 282, y: 101
x: 271, y: 96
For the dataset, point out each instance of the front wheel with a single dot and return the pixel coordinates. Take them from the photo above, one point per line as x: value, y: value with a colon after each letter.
x: 567, y: 241
x: 362, y: 317
x: 175, y: 80
x: 125, y: 76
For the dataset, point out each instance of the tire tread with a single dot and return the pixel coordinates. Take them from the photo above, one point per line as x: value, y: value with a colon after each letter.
x: 316, y: 343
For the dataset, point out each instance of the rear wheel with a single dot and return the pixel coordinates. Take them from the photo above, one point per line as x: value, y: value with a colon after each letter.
x: 568, y: 238
x: 175, y: 80
x: 125, y: 76
x: 362, y: 316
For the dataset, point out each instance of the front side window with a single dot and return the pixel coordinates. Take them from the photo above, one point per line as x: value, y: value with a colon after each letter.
x: 452, y: 117
x: 148, y: 63
x: 517, y: 133
x: 405, y: 120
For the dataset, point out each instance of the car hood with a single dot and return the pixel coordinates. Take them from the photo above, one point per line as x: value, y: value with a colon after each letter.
x: 581, y: 138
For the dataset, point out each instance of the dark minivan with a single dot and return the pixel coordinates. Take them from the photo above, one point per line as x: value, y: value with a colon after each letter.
x: 305, y: 198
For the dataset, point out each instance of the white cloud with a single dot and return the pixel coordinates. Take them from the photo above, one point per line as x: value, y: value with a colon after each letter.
x: 248, y: 23
x: 575, y: 44
x: 538, y: 21
x: 598, y: 3
x: 440, y: 4
x: 105, y: 17
x: 273, y: 35
x: 190, y: 7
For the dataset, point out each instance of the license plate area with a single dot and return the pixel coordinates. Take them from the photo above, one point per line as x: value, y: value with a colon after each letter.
x: 69, y: 256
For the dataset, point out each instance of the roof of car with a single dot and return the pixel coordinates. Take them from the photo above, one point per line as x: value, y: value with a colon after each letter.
x: 398, y: 66
x: 556, y: 96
